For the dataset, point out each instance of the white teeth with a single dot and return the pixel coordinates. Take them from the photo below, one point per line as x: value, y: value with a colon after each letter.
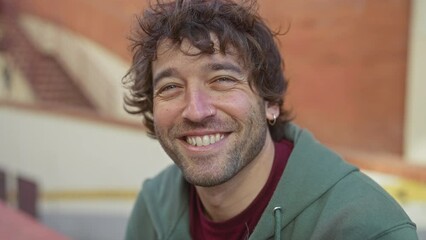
x: 204, y: 140
x: 198, y: 141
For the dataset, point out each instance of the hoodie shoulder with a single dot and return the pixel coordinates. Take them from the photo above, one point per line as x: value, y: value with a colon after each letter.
x: 161, y: 206
x: 159, y: 186
x: 323, y: 197
x: 359, y: 206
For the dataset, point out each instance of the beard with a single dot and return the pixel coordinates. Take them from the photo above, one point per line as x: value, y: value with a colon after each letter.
x: 244, y: 143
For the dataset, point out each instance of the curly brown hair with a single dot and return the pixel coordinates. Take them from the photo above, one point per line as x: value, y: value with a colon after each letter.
x: 236, y: 25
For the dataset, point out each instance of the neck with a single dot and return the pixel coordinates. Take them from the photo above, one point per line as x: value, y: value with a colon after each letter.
x: 227, y: 200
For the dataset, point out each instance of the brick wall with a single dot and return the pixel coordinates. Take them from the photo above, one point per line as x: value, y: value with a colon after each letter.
x: 346, y: 59
x: 104, y: 21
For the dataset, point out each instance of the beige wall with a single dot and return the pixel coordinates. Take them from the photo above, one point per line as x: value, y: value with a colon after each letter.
x: 415, y: 127
x: 65, y: 153
x: 88, y: 170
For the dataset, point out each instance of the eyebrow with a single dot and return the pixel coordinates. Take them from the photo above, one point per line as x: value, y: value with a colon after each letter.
x: 224, y: 66
x: 164, y: 74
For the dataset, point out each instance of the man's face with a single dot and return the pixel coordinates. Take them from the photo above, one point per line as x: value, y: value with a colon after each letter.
x: 206, y: 116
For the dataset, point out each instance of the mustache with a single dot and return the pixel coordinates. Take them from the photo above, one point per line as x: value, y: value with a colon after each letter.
x: 186, y: 125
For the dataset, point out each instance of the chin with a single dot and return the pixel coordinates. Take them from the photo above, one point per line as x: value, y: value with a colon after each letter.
x: 204, y: 179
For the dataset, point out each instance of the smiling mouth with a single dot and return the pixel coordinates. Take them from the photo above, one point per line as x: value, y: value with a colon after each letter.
x: 204, y: 140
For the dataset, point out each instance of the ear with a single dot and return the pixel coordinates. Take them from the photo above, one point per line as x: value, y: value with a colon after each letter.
x: 272, y: 109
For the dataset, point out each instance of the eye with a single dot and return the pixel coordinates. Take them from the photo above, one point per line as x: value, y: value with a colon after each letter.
x: 168, y: 87
x: 168, y: 90
x: 224, y: 83
x: 225, y: 79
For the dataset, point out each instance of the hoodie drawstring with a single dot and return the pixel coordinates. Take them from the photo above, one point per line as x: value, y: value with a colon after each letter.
x: 277, y: 215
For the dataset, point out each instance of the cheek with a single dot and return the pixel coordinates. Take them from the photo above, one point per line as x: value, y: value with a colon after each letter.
x: 239, y: 104
x: 163, y: 115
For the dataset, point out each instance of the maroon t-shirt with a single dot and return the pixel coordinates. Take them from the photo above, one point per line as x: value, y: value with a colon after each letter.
x: 242, y: 225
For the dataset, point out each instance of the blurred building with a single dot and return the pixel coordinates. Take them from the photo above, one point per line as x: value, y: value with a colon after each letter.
x: 357, y: 81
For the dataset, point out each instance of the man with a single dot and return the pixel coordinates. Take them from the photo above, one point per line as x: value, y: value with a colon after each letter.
x: 207, y: 77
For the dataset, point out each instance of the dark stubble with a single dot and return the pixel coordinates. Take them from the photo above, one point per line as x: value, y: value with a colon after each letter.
x: 245, y: 147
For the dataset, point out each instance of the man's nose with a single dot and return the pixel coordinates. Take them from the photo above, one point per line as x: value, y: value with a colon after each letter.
x: 198, y: 106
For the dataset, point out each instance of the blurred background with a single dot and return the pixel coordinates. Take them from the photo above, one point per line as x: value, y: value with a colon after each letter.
x: 72, y: 161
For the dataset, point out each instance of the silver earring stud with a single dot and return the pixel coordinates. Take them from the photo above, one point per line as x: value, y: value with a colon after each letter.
x: 273, y: 121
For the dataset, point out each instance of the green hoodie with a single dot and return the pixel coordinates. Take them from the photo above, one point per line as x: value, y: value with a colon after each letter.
x: 319, y: 196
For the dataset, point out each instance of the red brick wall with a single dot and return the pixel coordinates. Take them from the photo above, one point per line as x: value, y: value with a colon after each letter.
x: 104, y: 21
x: 346, y: 59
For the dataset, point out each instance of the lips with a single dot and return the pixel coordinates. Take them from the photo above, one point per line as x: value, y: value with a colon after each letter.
x: 204, y: 140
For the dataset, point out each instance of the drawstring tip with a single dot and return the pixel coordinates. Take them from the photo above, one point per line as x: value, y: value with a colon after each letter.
x: 277, y: 216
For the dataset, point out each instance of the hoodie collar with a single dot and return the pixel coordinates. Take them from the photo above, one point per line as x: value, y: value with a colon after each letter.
x: 311, y: 170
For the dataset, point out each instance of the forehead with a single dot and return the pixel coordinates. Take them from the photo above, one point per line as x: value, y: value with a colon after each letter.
x: 167, y: 47
x: 186, y: 57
